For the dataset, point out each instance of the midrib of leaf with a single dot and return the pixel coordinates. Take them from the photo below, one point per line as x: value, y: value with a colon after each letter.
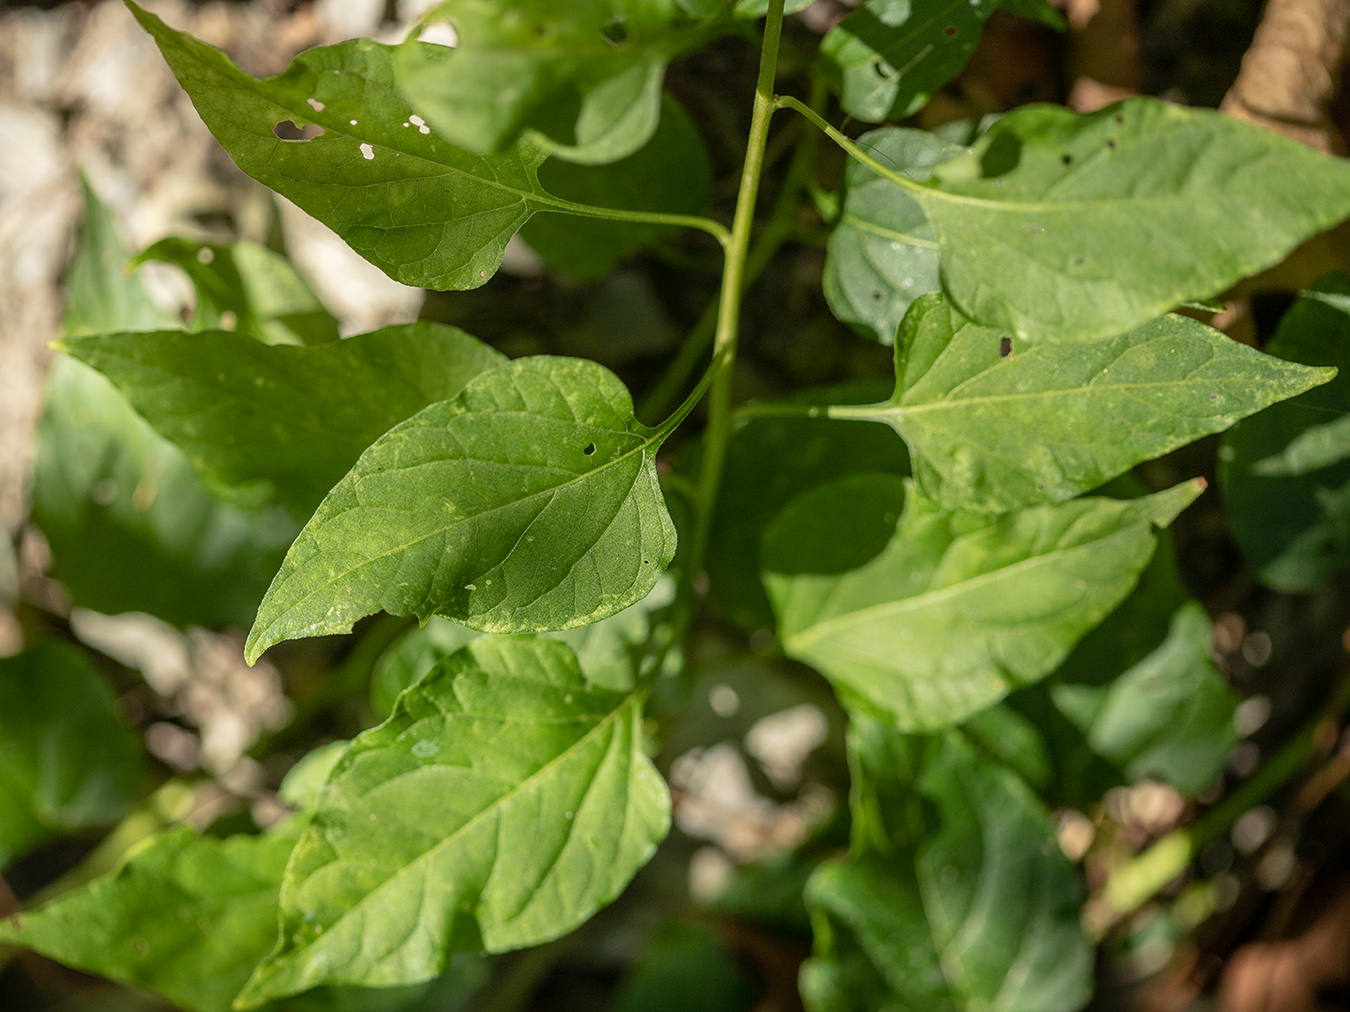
x: 866, y: 226
x: 633, y: 698
x: 654, y: 436
x: 812, y: 634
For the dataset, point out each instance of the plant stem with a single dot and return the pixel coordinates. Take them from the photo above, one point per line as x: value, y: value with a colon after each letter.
x: 714, y: 228
x: 729, y: 303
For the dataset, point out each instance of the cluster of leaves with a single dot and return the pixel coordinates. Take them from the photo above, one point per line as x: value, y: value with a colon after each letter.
x: 974, y: 602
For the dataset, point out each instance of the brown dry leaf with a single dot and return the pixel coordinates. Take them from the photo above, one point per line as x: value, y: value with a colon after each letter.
x: 1288, y: 976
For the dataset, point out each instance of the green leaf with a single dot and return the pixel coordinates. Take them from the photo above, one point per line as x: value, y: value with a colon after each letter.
x: 298, y: 417
x: 529, y: 502
x: 942, y: 614
x: 883, y: 252
x: 671, y: 173
x: 187, y: 917
x: 66, y: 761
x: 1285, y: 473
x: 248, y: 287
x: 505, y: 801
x: 1169, y: 717
x: 426, y: 213
x: 1036, y: 10
x: 583, y: 81
x: 982, y: 915
x: 994, y: 432
x: 686, y: 969
x: 1064, y: 227
x: 887, y: 58
x: 131, y: 524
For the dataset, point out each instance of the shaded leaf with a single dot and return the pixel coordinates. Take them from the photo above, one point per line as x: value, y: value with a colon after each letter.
x: 502, y: 804
x: 685, y: 969
x: 993, y: 432
x: 982, y: 914
x: 1064, y: 227
x: 295, y: 417
x: 671, y: 173
x: 1285, y: 473
x: 250, y: 287
x: 883, y: 252
x: 66, y: 761
x: 426, y: 213
x: 886, y: 59
x: 941, y: 614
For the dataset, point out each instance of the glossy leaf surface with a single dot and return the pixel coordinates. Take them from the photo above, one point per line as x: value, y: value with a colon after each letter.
x: 888, y: 57
x: 66, y: 761
x: 426, y: 213
x: 933, y: 615
x: 1063, y: 227
x: 883, y: 252
x: 529, y: 502
x: 994, y: 432
x: 981, y: 914
x: 250, y: 288
x: 1285, y: 474
x: 505, y: 801
x: 295, y: 417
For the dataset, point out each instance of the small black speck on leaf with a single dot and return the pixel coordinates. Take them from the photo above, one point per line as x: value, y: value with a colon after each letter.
x: 1066, y: 158
x: 950, y: 32
x: 1004, y: 347
x: 590, y: 448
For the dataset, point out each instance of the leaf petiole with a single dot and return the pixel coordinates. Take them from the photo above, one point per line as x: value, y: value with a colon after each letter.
x: 844, y: 142
x: 714, y: 228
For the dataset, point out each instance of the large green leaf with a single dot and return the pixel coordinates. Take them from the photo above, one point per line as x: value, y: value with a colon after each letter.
x: 187, y: 917
x: 993, y: 432
x: 888, y: 57
x: 250, y: 288
x: 425, y: 212
x: 1071, y: 228
x: 298, y: 417
x: 582, y: 79
x: 1285, y: 474
x: 1169, y: 717
x: 529, y: 502
x: 671, y: 173
x: 980, y: 916
x: 66, y: 761
x: 941, y: 614
x: 503, y: 803
x: 883, y: 252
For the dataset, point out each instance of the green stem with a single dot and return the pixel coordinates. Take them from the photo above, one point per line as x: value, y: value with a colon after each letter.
x: 852, y: 149
x: 714, y: 228
x: 729, y: 303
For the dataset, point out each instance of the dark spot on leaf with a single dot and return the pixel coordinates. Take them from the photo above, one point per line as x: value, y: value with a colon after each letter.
x: 1066, y: 158
x: 877, y: 296
x: 1213, y: 397
x: 950, y: 32
x: 616, y: 32
x: 541, y: 30
x: 1111, y: 143
x: 1004, y: 347
x: 286, y: 130
x: 1078, y: 261
x: 1119, y: 117
x: 590, y: 448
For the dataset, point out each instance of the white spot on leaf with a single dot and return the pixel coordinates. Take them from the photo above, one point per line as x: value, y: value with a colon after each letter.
x: 367, y: 152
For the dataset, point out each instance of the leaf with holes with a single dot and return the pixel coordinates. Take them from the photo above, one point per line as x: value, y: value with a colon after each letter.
x: 888, y: 57
x: 982, y: 913
x: 883, y: 252
x: 425, y: 212
x: 1063, y: 227
x: 930, y: 615
x: 296, y: 417
x: 993, y: 426
x: 504, y: 802
x: 529, y: 502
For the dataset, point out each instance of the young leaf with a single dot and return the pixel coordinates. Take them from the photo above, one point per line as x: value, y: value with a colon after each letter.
x: 249, y: 287
x: 1063, y: 227
x: 1169, y: 717
x: 66, y: 761
x: 942, y: 614
x: 1285, y: 473
x: 583, y: 80
x: 529, y: 502
x: 671, y: 173
x: 994, y: 432
x: 883, y: 252
x: 187, y: 917
x: 426, y: 213
x: 298, y: 417
x: 888, y: 57
x: 505, y: 801
x: 983, y: 914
